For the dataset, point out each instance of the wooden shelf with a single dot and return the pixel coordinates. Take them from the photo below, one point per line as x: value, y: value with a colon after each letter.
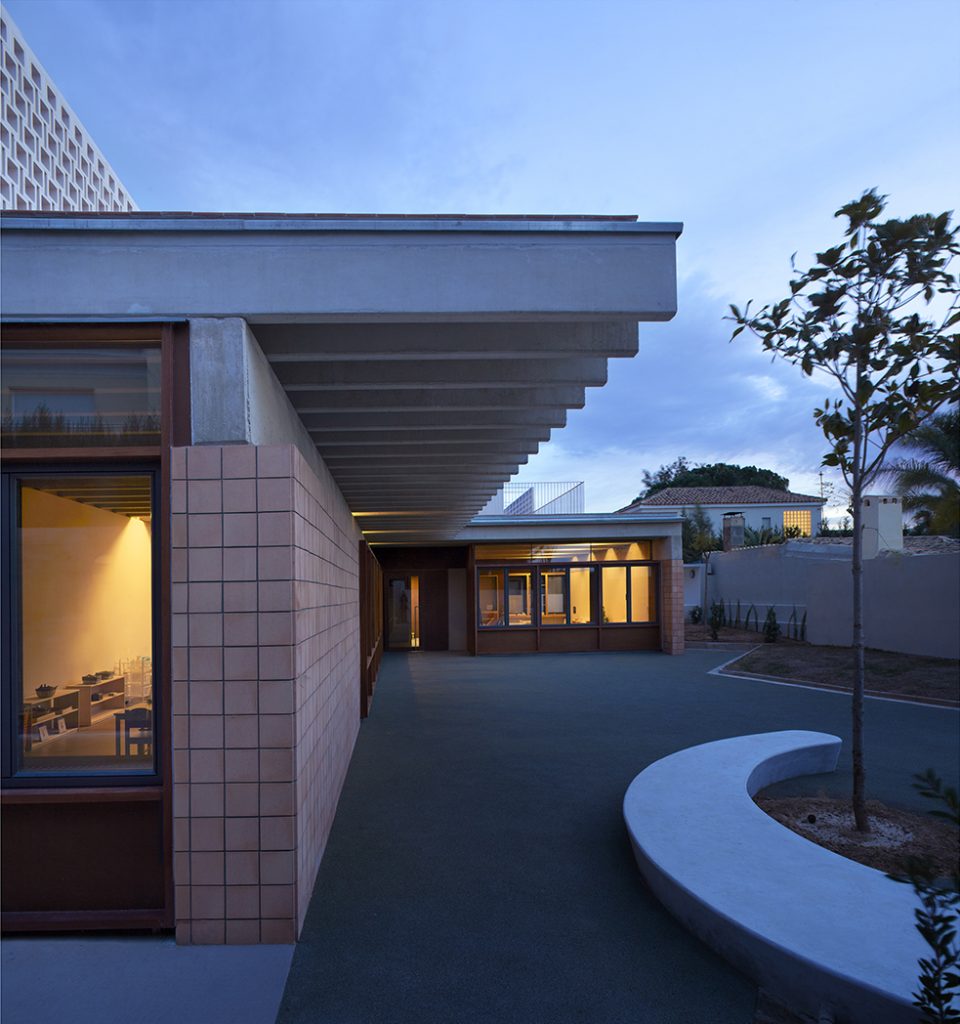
x: 75, y: 704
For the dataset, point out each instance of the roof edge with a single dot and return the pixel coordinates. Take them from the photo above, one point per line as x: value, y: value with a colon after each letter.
x: 36, y: 220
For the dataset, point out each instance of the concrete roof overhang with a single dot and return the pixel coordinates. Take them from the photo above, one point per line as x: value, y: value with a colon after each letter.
x: 584, y: 526
x: 427, y: 356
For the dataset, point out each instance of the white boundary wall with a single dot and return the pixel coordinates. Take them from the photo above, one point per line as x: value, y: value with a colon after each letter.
x: 911, y: 602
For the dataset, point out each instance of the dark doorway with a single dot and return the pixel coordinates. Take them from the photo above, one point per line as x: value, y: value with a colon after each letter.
x: 403, y: 612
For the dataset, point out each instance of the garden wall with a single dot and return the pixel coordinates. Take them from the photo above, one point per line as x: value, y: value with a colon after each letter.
x: 911, y: 601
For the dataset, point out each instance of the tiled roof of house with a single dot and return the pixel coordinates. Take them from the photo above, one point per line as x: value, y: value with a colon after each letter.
x: 724, y: 496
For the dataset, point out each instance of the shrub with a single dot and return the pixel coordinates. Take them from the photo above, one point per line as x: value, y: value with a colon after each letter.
x: 939, y: 978
x: 717, y: 618
x: 771, y: 631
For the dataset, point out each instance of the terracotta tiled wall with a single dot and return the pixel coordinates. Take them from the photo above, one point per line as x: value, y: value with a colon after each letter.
x: 671, y: 576
x: 265, y: 685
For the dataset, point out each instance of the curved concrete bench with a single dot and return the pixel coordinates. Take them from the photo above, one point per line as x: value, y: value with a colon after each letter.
x: 816, y: 930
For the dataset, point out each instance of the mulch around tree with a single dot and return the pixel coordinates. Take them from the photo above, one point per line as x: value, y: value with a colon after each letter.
x: 895, y: 835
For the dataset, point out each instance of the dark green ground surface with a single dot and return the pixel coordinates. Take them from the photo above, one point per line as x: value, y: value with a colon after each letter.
x: 479, y: 869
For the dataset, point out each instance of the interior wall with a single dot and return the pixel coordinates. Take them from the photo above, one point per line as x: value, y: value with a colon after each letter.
x: 457, y: 608
x: 86, y: 589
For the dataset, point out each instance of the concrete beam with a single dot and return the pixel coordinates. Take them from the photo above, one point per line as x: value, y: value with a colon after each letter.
x: 453, y: 341
x: 478, y: 449
x: 507, y: 436
x: 436, y: 420
x: 455, y: 475
x: 430, y: 462
x: 382, y: 375
x: 465, y: 398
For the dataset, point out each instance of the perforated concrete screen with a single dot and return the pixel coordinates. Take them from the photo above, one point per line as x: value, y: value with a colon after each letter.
x: 49, y: 160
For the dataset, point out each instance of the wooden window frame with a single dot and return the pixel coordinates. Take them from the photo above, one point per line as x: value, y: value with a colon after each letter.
x: 596, y: 594
x: 172, y: 338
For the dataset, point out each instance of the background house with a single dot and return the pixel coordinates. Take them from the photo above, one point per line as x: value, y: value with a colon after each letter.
x: 761, y: 507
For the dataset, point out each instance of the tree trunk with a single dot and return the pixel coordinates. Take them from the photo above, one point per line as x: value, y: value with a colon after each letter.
x: 859, y: 775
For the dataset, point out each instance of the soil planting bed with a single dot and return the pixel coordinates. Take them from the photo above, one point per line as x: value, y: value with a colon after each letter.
x: 896, y: 675
x: 895, y: 834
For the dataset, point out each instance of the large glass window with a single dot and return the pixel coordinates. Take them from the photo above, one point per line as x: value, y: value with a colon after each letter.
x: 78, y: 397
x: 553, y: 597
x: 643, y: 594
x: 579, y: 551
x: 85, y: 555
x: 519, y: 598
x: 613, y: 584
x: 491, y: 597
x: 581, y: 596
x: 549, y: 595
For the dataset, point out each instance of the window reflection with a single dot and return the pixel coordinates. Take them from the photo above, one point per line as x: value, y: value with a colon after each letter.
x: 553, y: 597
x: 491, y: 597
x: 518, y: 596
x: 79, y: 397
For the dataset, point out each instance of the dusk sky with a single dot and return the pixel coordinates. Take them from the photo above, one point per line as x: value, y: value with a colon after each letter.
x: 750, y: 122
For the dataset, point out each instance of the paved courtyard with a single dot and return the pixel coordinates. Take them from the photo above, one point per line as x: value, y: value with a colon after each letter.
x: 479, y: 869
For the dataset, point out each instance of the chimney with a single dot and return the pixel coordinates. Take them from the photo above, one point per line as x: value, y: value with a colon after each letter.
x: 732, y: 530
x: 882, y: 524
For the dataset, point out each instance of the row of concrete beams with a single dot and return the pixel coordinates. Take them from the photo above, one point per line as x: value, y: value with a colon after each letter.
x: 426, y: 357
x: 484, y: 397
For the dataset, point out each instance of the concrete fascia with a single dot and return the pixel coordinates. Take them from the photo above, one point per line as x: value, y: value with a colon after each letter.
x: 587, y: 527
x: 89, y: 268
x: 333, y: 223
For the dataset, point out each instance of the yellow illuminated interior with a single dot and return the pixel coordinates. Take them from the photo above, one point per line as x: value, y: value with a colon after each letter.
x: 414, y: 611
x: 518, y: 598
x: 614, y: 586
x: 581, y: 612
x: 491, y: 592
x: 86, y: 609
x: 643, y: 598
x: 577, y: 551
x: 553, y: 603
x: 802, y: 519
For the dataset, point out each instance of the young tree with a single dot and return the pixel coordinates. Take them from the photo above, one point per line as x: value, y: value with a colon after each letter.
x: 877, y: 313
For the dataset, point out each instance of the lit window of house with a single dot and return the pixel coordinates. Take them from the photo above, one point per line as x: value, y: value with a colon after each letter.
x: 799, y: 519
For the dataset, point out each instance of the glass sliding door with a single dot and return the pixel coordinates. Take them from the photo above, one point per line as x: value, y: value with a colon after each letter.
x: 403, y: 612
x: 84, y: 592
x: 520, y: 598
x: 581, y: 595
x: 490, y: 597
x: 553, y: 597
x: 643, y: 593
x: 613, y: 584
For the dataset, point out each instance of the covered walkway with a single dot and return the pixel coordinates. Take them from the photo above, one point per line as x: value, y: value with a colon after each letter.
x: 479, y: 869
